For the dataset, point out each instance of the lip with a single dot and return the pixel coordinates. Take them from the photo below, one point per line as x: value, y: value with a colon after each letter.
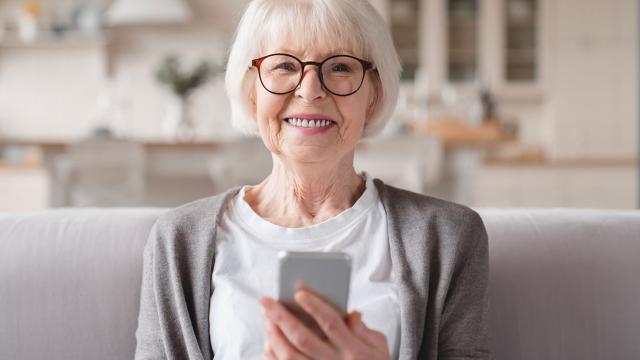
x: 316, y: 116
x: 309, y: 131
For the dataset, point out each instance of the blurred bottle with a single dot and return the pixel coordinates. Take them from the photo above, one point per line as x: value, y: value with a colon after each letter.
x: 87, y: 17
x: 28, y: 15
x: 2, y: 27
x: 110, y: 113
x: 488, y: 105
x: 3, y: 21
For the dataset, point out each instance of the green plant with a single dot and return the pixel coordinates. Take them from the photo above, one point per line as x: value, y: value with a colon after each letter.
x: 183, y: 83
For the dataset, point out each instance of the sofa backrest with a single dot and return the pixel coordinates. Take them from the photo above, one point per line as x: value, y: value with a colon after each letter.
x: 70, y: 282
x: 563, y: 283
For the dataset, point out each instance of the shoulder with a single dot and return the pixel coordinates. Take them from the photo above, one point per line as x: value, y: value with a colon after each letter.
x: 201, y: 214
x: 412, y: 209
x: 432, y: 227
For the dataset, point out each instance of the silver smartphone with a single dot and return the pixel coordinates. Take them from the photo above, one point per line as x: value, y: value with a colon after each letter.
x: 327, y: 274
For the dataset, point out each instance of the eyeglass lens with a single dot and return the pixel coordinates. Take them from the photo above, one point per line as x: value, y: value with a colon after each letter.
x: 341, y: 75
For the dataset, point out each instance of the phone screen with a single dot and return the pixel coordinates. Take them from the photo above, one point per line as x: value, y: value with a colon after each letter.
x: 326, y: 274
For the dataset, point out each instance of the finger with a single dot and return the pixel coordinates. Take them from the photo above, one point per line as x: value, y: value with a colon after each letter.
x: 354, y: 320
x: 267, y: 345
x: 369, y: 336
x: 269, y: 355
x: 295, y: 331
x: 279, y: 345
x: 329, y: 320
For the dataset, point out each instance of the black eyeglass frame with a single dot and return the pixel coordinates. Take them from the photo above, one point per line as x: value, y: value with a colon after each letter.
x: 366, y: 65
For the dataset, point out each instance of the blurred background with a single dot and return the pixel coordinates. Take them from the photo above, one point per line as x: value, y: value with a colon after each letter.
x: 524, y: 103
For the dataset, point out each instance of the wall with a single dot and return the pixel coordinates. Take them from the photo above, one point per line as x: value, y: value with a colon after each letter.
x: 594, y: 91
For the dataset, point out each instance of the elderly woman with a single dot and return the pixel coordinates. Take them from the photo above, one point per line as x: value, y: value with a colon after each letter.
x: 312, y: 78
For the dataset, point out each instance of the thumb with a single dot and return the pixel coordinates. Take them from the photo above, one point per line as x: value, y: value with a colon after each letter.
x: 355, y: 323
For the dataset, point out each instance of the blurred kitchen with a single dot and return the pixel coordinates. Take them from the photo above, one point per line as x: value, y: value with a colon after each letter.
x: 523, y: 103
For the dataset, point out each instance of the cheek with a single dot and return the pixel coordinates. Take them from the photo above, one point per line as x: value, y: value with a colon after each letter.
x: 354, y: 113
x: 268, y: 109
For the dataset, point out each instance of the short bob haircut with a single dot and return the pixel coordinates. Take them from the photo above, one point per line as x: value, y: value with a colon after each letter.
x: 350, y: 25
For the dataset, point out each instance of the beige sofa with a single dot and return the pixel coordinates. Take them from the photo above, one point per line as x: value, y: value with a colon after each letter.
x: 565, y: 283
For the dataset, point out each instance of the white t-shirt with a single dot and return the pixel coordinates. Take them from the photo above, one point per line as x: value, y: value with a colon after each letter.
x: 246, y: 268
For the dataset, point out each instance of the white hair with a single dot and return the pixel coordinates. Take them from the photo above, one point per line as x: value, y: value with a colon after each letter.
x: 353, y: 25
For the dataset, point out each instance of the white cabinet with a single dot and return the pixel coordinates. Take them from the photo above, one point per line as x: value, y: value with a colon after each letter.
x: 23, y: 188
x: 497, y: 44
x: 612, y: 186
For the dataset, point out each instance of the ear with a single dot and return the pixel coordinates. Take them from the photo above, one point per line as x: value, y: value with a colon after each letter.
x: 252, y: 104
x: 373, y: 102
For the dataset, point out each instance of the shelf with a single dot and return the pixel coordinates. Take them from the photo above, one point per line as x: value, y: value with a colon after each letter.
x: 48, y: 41
x: 456, y: 133
x: 71, y: 40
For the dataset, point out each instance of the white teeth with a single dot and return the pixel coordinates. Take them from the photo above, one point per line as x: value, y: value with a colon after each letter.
x: 308, y: 123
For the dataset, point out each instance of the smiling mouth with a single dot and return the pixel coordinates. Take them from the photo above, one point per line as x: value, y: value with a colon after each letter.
x: 306, y: 123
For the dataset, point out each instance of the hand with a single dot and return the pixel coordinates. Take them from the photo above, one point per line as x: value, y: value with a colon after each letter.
x: 288, y: 338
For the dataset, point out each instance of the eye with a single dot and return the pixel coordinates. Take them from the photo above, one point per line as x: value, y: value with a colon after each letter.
x: 340, y: 67
x: 285, y: 66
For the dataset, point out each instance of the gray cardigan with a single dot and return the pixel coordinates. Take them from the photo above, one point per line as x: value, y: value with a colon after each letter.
x: 440, y: 263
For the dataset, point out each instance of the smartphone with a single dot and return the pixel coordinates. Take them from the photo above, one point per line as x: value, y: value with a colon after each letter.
x: 327, y: 274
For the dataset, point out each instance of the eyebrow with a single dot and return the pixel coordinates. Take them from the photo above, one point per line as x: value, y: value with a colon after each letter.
x: 335, y: 52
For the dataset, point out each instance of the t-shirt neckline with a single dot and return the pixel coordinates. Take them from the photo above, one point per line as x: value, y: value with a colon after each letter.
x: 313, y: 235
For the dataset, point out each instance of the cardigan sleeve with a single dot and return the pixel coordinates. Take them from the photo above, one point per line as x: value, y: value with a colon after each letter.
x: 464, y: 326
x: 149, y: 344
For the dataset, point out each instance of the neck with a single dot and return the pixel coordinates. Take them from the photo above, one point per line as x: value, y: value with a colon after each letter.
x: 302, y: 194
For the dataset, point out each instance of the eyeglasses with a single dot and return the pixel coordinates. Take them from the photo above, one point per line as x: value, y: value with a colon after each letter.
x: 341, y: 75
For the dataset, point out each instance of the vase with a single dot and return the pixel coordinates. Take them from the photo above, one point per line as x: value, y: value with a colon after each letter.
x: 178, y: 123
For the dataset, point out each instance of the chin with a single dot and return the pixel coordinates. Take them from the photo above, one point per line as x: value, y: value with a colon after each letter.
x: 306, y: 156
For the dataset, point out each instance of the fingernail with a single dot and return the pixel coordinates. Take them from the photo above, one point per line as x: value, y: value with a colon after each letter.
x: 358, y: 316
x: 304, y: 296
x: 266, y: 303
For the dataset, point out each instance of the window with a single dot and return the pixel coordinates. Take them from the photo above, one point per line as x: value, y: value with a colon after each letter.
x: 404, y: 29
x: 462, y: 40
x: 520, y: 32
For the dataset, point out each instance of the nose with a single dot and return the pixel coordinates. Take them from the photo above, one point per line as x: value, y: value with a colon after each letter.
x: 310, y: 87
